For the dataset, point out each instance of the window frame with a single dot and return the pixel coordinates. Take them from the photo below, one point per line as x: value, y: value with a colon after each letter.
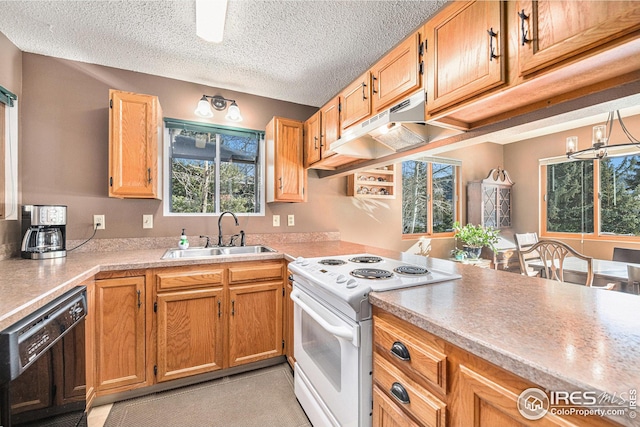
x: 213, y: 128
x: 597, y: 232
x: 9, y: 155
x: 457, y: 164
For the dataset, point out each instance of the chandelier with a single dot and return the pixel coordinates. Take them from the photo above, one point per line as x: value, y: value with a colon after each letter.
x: 600, y: 141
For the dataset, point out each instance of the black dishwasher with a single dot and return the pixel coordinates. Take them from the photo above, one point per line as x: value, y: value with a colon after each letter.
x: 42, y: 366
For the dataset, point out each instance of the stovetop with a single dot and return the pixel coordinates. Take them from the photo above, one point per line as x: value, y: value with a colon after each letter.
x: 350, y: 278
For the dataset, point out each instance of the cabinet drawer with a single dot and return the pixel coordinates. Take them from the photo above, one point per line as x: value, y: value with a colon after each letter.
x: 253, y: 272
x: 422, y: 359
x: 426, y: 408
x: 189, y: 279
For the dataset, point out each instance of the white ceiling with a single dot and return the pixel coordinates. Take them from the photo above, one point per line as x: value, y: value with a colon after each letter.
x: 298, y: 51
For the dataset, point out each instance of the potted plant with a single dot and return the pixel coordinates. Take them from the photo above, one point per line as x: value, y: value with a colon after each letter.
x: 458, y: 254
x: 475, y: 237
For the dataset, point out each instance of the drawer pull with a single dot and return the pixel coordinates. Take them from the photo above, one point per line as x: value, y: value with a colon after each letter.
x: 400, y: 351
x: 400, y: 393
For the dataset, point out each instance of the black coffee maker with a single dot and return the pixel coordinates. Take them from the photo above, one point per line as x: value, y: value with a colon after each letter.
x: 44, y: 231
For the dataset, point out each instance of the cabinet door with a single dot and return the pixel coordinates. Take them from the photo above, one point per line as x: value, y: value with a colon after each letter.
x: 189, y: 333
x: 90, y: 343
x: 255, y: 325
x: 120, y: 332
x: 329, y: 126
x: 133, y: 145
x: 312, y: 153
x: 465, y: 47
x: 559, y: 30
x: 286, y: 175
x: 386, y: 412
x: 397, y: 74
x: 356, y: 101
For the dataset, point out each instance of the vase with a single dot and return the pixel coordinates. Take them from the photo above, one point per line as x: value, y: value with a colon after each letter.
x: 472, y: 252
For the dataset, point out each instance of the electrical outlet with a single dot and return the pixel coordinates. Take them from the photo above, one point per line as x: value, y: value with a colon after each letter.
x: 276, y: 220
x: 147, y: 221
x: 291, y: 221
x: 98, y: 219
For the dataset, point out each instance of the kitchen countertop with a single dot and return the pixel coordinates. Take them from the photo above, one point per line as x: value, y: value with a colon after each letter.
x: 559, y: 336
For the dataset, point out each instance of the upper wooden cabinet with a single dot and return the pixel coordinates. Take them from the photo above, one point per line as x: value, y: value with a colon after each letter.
x: 465, y: 49
x: 135, y: 144
x: 312, y: 153
x: 329, y: 126
x: 398, y: 73
x: 356, y: 101
x: 286, y: 175
x: 552, y: 31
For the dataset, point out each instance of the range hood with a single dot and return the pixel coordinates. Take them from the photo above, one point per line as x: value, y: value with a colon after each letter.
x: 401, y: 127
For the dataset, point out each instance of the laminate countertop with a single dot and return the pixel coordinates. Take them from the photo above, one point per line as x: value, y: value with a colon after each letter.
x: 559, y: 336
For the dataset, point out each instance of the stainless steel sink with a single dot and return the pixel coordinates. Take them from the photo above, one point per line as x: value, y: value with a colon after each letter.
x: 200, y: 252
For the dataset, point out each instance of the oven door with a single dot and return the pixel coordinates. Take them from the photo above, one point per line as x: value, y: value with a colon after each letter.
x: 328, y: 368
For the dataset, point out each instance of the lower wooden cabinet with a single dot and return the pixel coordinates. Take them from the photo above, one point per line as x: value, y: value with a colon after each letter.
x: 255, y: 323
x: 189, y: 333
x: 421, y: 380
x: 120, y: 333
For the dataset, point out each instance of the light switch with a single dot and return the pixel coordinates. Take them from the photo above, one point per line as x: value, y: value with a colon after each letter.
x: 147, y: 221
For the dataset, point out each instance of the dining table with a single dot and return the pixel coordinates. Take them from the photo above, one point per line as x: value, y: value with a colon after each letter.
x: 604, y: 272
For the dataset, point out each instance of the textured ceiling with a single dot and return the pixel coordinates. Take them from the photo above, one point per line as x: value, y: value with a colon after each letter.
x: 297, y: 51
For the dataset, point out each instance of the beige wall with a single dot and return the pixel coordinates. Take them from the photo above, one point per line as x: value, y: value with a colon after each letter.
x: 11, y: 79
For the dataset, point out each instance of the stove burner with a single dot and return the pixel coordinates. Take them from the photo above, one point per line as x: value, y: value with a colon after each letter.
x: 371, y: 273
x: 413, y: 270
x: 331, y: 262
x: 365, y: 259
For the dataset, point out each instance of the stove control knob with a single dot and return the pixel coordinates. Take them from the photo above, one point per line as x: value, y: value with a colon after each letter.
x: 303, y: 262
x: 341, y: 279
x: 352, y: 283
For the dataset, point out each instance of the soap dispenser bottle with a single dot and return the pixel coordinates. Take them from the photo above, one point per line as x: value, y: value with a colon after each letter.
x: 183, y: 243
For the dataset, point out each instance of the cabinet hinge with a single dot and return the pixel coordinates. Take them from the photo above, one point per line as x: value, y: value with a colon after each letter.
x: 339, y: 107
x: 282, y: 343
x: 111, y: 103
x: 155, y: 370
x: 110, y: 181
x: 421, y: 49
x: 282, y: 291
x: 155, y: 307
x: 421, y: 67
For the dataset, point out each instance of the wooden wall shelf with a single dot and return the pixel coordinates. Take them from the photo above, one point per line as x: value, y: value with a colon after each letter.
x: 373, y: 183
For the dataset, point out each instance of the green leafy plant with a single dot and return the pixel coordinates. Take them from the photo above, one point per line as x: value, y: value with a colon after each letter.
x: 476, y: 236
x: 458, y: 254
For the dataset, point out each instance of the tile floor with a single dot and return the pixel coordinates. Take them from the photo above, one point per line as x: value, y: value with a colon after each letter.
x: 98, y: 415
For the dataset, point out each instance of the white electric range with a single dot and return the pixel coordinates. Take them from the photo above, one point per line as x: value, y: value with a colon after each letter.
x: 333, y: 330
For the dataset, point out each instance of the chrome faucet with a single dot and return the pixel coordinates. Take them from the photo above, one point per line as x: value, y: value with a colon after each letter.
x: 242, y: 241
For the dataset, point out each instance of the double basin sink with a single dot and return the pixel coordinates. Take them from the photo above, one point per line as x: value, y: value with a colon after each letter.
x: 216, y: 251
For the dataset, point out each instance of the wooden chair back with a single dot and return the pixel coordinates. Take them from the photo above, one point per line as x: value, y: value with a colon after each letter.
x: 525, y: 241
x: 626, y: 255
x: 553, y: 254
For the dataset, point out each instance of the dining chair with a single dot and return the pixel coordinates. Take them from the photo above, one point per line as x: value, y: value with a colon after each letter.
x: 525, y: 241
x: 552, y: 255
x: 626, y: 255
x: 633, y: 272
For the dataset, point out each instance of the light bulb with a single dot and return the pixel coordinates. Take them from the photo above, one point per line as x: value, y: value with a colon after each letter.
x: 233, y: 114
x: 204, y: 108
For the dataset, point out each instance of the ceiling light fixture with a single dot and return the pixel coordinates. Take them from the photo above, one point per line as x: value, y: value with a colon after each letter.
x: 600, y: 141
x: 219, y: 103
x: 210, y: 17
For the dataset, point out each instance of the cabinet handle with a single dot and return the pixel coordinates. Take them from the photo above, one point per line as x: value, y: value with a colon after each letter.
x: 219, y: 310
x: 525, y: 33
x: 315, y: 142
x: 373, y: 85
x: 280, y: 179
x: 233, y: 307
x: 364, y: 97
x: 492, y: 52
x: 400, y: 351
x: 149, y: 174
x: 139, y: 301
x: 400, y: 393
x: 321, y: 144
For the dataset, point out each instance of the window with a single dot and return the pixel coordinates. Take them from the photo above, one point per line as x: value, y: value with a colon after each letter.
x: 429, y: 196
x: 577, y: 190
x: 212, y: 169
x: 8, y: 155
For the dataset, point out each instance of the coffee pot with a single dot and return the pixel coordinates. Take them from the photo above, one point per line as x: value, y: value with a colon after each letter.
x: 44, y: 229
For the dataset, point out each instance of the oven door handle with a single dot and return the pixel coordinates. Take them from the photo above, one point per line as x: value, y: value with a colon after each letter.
x: 338, y: 331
